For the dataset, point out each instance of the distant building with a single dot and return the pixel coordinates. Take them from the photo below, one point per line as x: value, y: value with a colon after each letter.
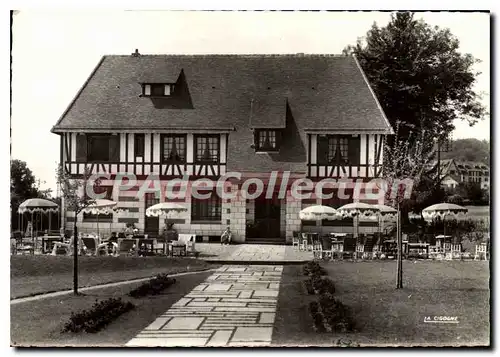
x: 454, y: 172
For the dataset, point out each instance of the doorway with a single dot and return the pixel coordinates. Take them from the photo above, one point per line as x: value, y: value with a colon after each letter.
x: 151, y: 224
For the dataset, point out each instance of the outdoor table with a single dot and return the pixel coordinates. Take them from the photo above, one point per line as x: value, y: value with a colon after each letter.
x: 419, y: 246
x: 48, y: 243
x: 146, y: 245
x: 181, y: 248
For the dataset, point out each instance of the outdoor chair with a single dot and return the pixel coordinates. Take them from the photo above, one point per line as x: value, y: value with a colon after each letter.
x: 303, y: 241
x: 376, y: 251
x: 337, y: 249
x: 326, y: 247
x: 90, y: 245
x: 189, y: 241
x: 296, y: 239
x: 481, y: 251
x: 20, y: 247
x: 456, y: 251
x: 146, y: 246
x: 161, y: 245
x: 349, y: 248
x: 360, y: 251
x: 127, y: 246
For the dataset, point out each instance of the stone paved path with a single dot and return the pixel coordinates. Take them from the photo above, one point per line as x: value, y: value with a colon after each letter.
x: 235, y: 306
x: 252, y: 252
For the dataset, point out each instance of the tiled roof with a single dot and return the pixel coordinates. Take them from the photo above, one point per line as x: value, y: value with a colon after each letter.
x: 232, y: 92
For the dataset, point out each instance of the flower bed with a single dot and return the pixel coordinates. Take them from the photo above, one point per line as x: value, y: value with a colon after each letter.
x: 152, y: 287
x: 100, y: 314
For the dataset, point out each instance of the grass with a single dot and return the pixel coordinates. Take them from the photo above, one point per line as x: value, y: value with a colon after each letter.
x: 39, y: 323
x: 31, y: 275
x: 385, y: 316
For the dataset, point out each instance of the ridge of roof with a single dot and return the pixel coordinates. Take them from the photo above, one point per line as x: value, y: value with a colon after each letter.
x: 250, y: 55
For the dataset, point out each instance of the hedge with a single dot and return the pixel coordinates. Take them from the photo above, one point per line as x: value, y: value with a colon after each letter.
x: 100, y: 314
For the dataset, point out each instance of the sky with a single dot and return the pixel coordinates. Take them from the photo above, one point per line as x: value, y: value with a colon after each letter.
x: 55, y: 51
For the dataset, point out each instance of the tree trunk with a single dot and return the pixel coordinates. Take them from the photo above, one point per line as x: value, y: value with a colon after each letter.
x: 75, y: 257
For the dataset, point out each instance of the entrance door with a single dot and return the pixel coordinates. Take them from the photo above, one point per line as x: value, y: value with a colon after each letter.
x: 151, y: 224
x: 267, y: 217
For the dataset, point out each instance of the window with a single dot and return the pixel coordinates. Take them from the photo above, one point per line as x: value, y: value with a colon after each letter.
x: 338, y: 149
x: 139, y: 145
x: 98, y: 148
x: 207, y: 148
x: 206, y: 209
x: 267, y: 140
x: 157, y: 89
x: 174, y: 148
x: 338, y: 146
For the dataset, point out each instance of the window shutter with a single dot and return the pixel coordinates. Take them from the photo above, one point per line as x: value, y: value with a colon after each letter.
x: 81, y: 147
x: 354, y: 150
x: 322, y: 150
x: 114, y: 148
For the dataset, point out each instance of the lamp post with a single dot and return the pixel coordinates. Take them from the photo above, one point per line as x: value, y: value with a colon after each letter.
x: 399, y: 284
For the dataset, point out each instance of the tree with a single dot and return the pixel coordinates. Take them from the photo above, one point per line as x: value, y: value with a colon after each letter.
x: 23, y: 185
x: 75, y: 198
x: 419, y: 76
x: 469, y: 150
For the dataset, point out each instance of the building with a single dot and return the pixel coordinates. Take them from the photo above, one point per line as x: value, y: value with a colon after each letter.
x: 454, y: 172
x: 302, y: 116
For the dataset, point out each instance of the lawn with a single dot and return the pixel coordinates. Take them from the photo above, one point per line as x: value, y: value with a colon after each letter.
x: 30, y: 275
x: 38, y: 323
x: 386, y: 316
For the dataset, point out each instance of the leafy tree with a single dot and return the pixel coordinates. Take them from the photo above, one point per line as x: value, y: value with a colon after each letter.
x: 75, y: 198
x: 419, y: 76
x: 469, y: 150
x: 23, y: 186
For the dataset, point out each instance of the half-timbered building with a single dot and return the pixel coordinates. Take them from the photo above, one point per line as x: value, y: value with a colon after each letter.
x: 303, y: 116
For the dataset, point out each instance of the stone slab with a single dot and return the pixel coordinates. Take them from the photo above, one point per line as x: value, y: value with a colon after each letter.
x: 267, y: 318
x: 158, y: 323
x: 166, y: 342
x: 252, y: 334
x: 220, y: 338
x: 267, y: 293
x: 218, y: 287
x: 178, y: 323
x: 181, y: 302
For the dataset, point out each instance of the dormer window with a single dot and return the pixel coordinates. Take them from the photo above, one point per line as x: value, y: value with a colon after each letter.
x: 157, y: 89
x: 267, y: 140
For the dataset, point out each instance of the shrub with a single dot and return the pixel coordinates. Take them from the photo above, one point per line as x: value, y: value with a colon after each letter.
x: 322, y: 285
x: 337, y: 315
x: 309, y: 287
x: 153, y: 286
x: 317, y: 317
x: 100, y: 314
x: 313, y: 268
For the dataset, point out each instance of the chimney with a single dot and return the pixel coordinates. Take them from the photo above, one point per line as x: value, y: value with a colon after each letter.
x: 136, y: 53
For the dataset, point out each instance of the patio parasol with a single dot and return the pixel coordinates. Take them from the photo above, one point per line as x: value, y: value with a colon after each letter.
x: 317, y: 213
x: 443, y: 211
x: 40, y: 205
x: 356, y: 210
x: 170, y: 210
x: 100, y: 206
